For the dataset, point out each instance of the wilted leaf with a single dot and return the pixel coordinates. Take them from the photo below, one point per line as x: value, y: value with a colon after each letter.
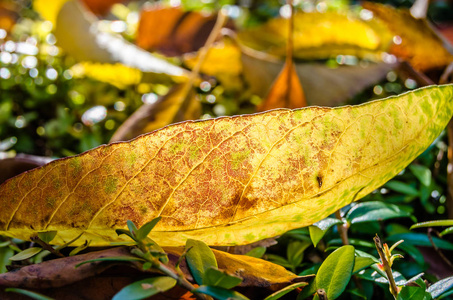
x: 415, y: 40
x: 20, y: 163
x: 335, y: 272
x: 223, y: 61
x: 344, y: 82
x: 230, y: 180
x: 80, y: 38
x: 179, y: 104
x: 286, y: 91
x: 173, y: 31
x: 320, y: 36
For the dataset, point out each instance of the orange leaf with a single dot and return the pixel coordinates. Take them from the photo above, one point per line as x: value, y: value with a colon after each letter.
x: 286, y: 92
x: 173, y: 31
x: 414, y: 40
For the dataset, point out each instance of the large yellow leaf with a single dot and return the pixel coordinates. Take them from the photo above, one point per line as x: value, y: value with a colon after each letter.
x: 231, y: 180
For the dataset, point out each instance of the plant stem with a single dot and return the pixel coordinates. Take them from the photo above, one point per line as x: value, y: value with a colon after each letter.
x: 442, y: 256
x: 46, y: 246
x: 342, y: 229
x: 387, y: 269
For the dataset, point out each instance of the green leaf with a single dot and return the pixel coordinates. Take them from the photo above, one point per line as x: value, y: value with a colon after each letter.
x: 277, y: 259
x: 440, y: 287
x: 47, y: 236
x: 335, y: 272
x: 199, y: 259
x: 447, y: 231
x: 420, y: 239
x: 79, y: 248
x: 112, y: 258
x: 215, y: 277
x: 433, y: 224
x: 5, y: 254
x: 308, y: 290
x: 413, y: 293
x: 319, y: 229
x: 132, y: 228
x: 220, y: 293
x: 422, y: 173
x: 27, y: 253
x: 361, y: 263
x: 30, y: 294
x: 374, y: 211
x: 402, y: 188
x: 257, y: 252
x: 295, y: 252
x: 145, y: 288
x: 146, y: 229
x: 124, y: 231
x: 284, y: 291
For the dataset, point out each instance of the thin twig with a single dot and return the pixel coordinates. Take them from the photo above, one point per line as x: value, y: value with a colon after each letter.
x: 45, y: 246
x: 441, y: 254
x: 385, y: 264
x: 342, y: 229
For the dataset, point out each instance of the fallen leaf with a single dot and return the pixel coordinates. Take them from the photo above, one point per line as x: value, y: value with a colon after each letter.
x: 78, y: 36
x: 231, y: 180
x: 20, y: 163
x: 320, y: 36
x: 260, y: 71
x: 179, y: 104
x: 223, y: 61
x: 415, y: 42
x: 286, y: 91
x: 173, y: 31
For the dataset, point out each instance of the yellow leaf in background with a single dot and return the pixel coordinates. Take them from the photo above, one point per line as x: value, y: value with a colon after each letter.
x: 319, y: 36
x: 49, y: 9
x: 179, y: 104
x: 222, y: 61
x: 231, y: 180
x: 414, y: 39
x: 117, y: 74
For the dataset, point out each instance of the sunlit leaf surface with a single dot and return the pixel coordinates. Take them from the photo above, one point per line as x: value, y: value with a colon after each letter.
x: 320, y: 35
x: 414, y: 40
x: 231, y: 180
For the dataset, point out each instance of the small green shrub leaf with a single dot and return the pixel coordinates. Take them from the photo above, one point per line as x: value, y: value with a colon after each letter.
x: 27, y: 253
x: 422, y: 173
x: 199, y: 259
x: 449, y: 230
x: 257, y: 252
x: 284, y: 291
x: 220, y: 293
x: 361, y: 263
x: 319, y: 229
x: 433, y: 224
x: 47, y: 236
x: 132, y: 228
x: 295, y: 252
x: 441, y: 287
x: 146, y: 228
x: 402, y: 188
x: 215, y: 277
x: 420, y: 239
x: 308, y: 290
x: 413, y: 293
x: 335, y: 272
x: 30, y: 294
x: 145, y: 288
x: 374, y: 211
